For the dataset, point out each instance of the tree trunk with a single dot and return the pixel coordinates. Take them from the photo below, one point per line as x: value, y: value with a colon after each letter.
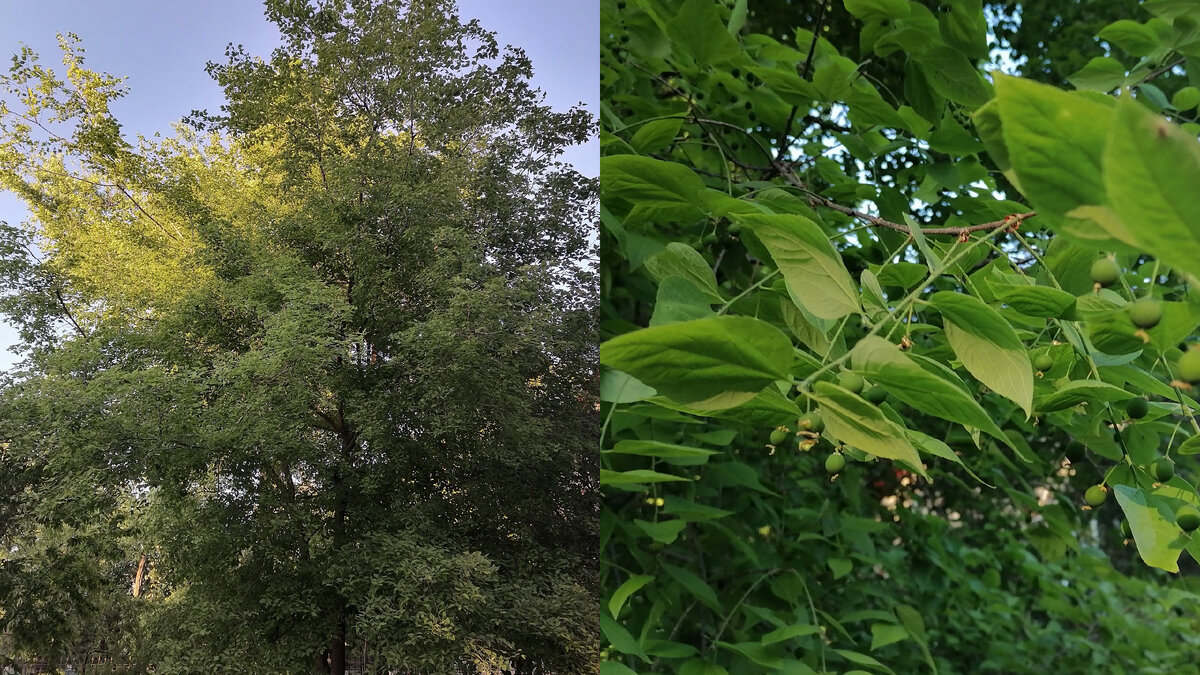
x: 337, y: 650
x: 140, y: 576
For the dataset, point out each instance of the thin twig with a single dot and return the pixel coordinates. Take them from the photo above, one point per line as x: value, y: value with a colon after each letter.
x: 1155, y: 73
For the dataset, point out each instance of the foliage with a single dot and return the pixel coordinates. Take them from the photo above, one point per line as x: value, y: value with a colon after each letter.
x: 779, y: 210
x: 317, y: 370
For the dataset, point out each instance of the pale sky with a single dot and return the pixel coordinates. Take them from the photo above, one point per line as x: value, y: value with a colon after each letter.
x: 162, y: 46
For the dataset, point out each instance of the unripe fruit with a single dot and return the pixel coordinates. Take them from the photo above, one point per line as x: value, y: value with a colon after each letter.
x: 851, y: 381
x: 778, y: 436
x: 1188, y: 368
x: 1043, y: 362
x: 812, y: 422
x: 835, y: 462
x: 876, y: 395
x: 1187, y: 517
x: 1137, y: 408
x: 1146, y: 313
x: 1163, y: 469
x: 1076, y: 451
x: 1125, y: 531
x: 1095, y: 495
x: 1105, y: 271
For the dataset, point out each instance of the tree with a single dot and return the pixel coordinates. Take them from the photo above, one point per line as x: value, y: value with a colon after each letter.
x: 316, y: 372
x: 795, y: 200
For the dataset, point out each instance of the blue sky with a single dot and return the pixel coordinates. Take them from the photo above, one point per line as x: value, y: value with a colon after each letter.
x: 161, y: 47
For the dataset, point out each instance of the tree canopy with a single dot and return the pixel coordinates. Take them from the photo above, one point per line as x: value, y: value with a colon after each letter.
x: 316, y: 373
x: 898, y: 347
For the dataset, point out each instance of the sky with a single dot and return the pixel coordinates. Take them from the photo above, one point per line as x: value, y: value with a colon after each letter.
x: 162, y: 47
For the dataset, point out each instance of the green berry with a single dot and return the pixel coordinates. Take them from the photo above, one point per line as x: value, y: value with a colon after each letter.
x: 1095, y: 495
x: 1137, y: 408
x: 835, y: 462
x: 778, y: 436
x: 1076, y: 451
x: 876, y: 395
x: 812, y: 422
x: 1125, y: 531
x: 1146, y: 313
x: 1105, y: 271
x: 1163, y: 470
x: 1043, y: 362
x: 851, y: 381
x: 1187, y: 517
x: 1188, y: 368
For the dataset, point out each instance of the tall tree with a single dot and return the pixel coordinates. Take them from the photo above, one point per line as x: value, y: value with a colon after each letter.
x: 314, y: 373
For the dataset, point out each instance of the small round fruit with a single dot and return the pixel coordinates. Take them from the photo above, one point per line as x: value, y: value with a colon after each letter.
x: 1076, y: 451
x: 1187, y: 517
x: 876, y: 395
x: 812, y: 422
x: 1163, y: 470
x: 1137, y: 408
x: 1105, y: 271
x: 1188, y: 367
x: 1095, y: 495
x: 851, y: 381
x: 1125, y: 531
x: 1043, y: 362
x: 778, y: 436
x: 1146, y: 313
x: 835, y: 462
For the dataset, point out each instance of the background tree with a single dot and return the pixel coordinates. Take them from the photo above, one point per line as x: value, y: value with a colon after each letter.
x: 785, y: 217
x: 314, y: 373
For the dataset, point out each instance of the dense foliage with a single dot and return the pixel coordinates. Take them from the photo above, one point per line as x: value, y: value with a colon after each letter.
x: 315, y: 374
x: 897, y: 363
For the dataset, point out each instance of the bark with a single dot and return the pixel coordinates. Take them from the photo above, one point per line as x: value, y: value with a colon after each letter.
x: 140, y: 576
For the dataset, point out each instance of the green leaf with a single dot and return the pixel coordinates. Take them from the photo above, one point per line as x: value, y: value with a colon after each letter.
x: 659, y: 449
x: 698, y: 667
x: 671, y: 188
x: 1191, y: 446
x: 1073, y: 393
x: 987, y: 346
x: 618, y: 387
x: 631, y: 585
x: 860, y: 424
x: 693, y: 511
x: 666, y: 531
x: 1159, y: 541
x: 1134, y: 38
x: 1102, y: 73
x: 884, y: 634
x: 1039, y: 301
x: 1151, y: 170
x: 681, y: 260
x: 636, y: 477
x: 655, y: 135
x: 932, y: 446
x: 694, y: 585
x: 789, y: 632
x: 756, y: 652
x: 737, y: 473
x: 870, y: 10
x: 680, y: 300
x: 710, y: 363
x: 952, y: 75
x: 863, y: 660
x: 614, y: 668
x: 698, y: 31
x: 620, y: 639
x: 840, y: 566
x: 884, y: 364
x: 816, y: 278
x: 1055, y: 144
